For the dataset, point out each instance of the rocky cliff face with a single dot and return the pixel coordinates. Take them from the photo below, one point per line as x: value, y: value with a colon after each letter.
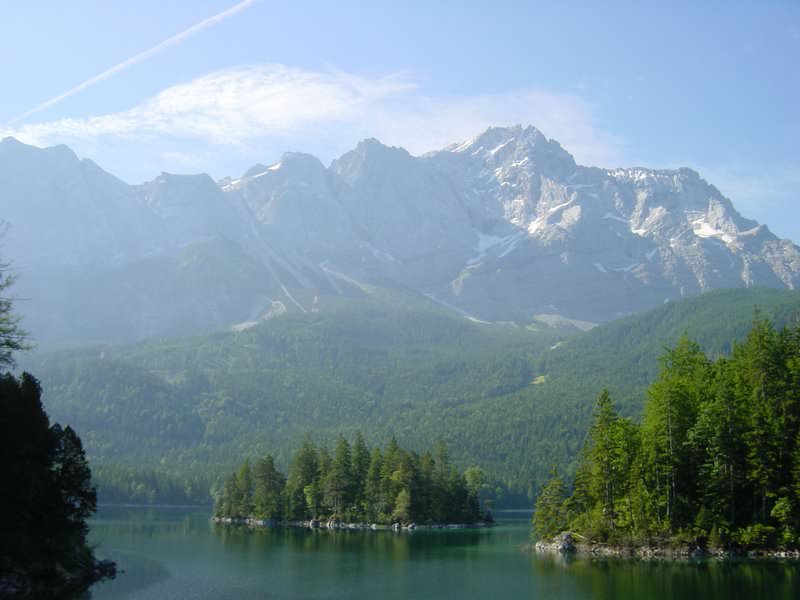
x: 594, y: 244
x: 505, y: 226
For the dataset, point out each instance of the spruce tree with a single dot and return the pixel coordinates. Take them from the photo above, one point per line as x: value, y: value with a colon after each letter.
x: 339, y: 480
x: 359, y: 468
x: 73, y: 478
x: 268, y: 486
x: 243, y: 500
x: 601, y: 451
x: 374, y: 503
x: 549, y: 516
x: 717, y: 440
x: 302, y: 473
x: 673, y: 401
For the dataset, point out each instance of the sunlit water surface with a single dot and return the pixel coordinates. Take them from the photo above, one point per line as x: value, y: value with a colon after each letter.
x: 179, y: 553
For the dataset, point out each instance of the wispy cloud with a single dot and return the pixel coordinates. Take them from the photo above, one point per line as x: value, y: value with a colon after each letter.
x: 142, y: 56
x: 256, y: 105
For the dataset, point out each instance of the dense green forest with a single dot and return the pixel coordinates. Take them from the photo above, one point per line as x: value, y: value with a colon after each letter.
x: 354, y: 485
x: 162, y: 421
x: 716, y: 455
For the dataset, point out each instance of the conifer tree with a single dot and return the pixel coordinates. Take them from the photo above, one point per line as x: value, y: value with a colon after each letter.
x: 73, y: 477
x: 374, y: 503
x: 549, y: 516
x: 268, y: 485
x: 673, y: 401
x: 243, y: 500
x: 601, y: 452
x: 338, y: 479
x: 302, y: 473
x: 717, y: 439
x: 402, y: 506
x: 442, y: 502
x: 359, y: 469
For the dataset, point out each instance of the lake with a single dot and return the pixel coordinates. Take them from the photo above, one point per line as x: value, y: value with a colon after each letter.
x: 178, y: 553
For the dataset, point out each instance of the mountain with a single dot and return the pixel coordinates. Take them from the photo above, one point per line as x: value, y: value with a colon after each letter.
x: 596, y: 244
x: 512, y: 400
x: 503, y: 227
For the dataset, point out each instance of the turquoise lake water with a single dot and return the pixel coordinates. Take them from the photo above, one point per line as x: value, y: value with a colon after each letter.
x: 179, y: 554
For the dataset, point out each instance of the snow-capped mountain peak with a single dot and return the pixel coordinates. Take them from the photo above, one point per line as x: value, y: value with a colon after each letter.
x: 504, y: 226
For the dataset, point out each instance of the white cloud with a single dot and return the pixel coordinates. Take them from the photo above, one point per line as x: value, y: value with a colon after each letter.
x: 251, y: 106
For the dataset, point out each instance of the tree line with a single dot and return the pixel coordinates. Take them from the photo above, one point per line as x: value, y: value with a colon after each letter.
x: 354, y: 484
x: 716, y: 455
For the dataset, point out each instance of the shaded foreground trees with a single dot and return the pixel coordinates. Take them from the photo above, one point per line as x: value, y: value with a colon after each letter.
x: 355, y: 485
x: 46, y: 487
x: 46, y: 493
x: 717, y: 454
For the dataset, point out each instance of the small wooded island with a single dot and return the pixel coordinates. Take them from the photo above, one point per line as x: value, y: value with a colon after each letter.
x: 354, y: 487
x: 714, y: 466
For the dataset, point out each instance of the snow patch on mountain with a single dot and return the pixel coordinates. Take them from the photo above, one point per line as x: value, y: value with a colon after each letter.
x: 502, y: 227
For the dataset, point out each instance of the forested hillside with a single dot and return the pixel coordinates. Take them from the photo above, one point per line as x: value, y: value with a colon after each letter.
x: 508, y: 399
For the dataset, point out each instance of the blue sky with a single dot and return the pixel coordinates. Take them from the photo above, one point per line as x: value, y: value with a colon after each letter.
x: 710, y: 85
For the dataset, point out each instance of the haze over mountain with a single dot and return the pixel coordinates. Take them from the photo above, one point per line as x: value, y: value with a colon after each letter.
x: 503, y: 227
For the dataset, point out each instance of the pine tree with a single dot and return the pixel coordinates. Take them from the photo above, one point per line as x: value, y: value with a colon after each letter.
x: 402, y: 506
x: 243, y: 500
x: 302, y: 473
x: 359, y: 469
x: 717, y: 439
x: 268, y: 485
x: 425, y: 494
x: 549, y: 516
x: 673, y: 401
x: 602, y: 448
x: 374, y: 504
x: 474, y: 483
x: 73, y: 478
x: 339, y: 480
x: 442, y: 502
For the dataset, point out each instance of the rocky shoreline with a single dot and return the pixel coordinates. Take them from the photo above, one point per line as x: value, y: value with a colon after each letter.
x: 571, y: 544
x: 53, y: 582
x: 334, y: 524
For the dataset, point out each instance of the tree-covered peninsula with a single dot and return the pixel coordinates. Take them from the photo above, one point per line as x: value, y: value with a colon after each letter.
x: 715, y: 460
x: 354, y: 485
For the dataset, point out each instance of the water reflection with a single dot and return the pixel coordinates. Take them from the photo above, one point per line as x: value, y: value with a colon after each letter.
x: 182, y: 554
x: 707, y: 578
x: 139, y: 573
x: 379, y: 545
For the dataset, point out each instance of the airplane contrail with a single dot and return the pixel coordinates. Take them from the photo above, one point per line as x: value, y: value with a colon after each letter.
x: 169, y: 42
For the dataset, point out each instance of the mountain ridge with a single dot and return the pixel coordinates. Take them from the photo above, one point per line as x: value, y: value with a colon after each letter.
x: 505, y: 226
